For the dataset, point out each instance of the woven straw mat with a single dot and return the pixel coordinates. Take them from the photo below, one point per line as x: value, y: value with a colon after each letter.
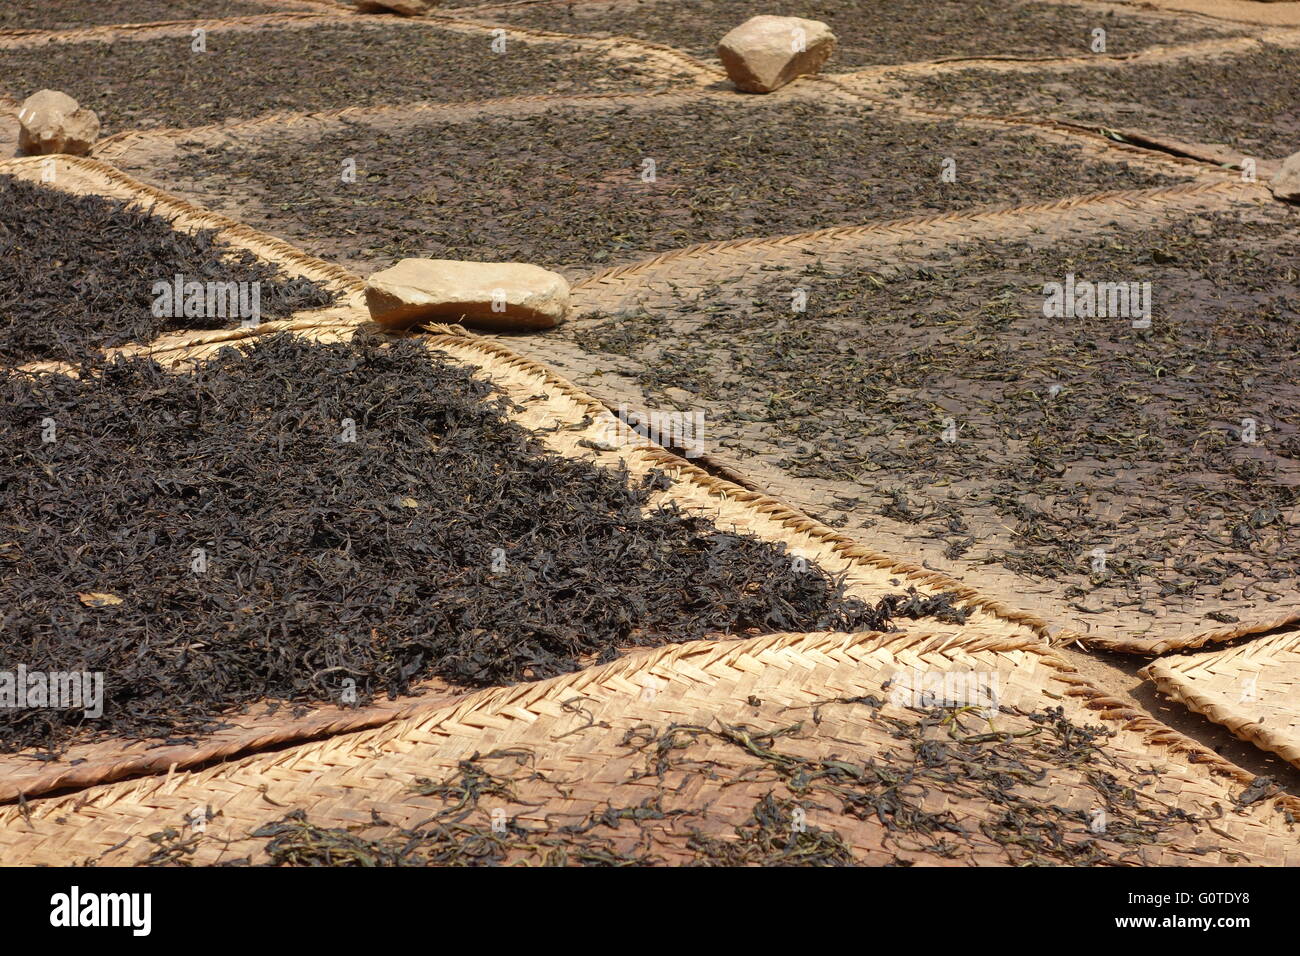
x: 675, y: 755
x: 867, y: 573
x: 1253, y: 689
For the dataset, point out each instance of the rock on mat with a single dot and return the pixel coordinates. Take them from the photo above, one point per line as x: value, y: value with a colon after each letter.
x: 504, y: 296
x: 765, y: 53
x: 53, y: 122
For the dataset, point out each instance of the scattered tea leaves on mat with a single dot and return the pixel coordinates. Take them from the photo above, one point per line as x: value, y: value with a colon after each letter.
x: 565, y: 187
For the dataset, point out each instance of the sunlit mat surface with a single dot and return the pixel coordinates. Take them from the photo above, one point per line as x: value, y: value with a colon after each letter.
x: 1253, y: 689
x: 952, y: 748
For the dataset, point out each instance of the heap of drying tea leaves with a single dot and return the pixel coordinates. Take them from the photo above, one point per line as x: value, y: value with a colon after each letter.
x: 79, y: 273
x: 301, y: 520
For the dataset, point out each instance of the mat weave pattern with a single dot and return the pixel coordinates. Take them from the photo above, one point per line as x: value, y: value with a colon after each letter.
x: 571, y: 734
x: 343, y: 765
x: 1253, y: 689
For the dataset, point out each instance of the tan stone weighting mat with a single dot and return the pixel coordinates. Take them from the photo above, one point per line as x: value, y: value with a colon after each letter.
x: 1253, y: 689
x: 954, y: 747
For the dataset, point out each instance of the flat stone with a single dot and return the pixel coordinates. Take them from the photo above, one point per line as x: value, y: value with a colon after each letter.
x: 53, y: 122
x: 765, y: 53
x: 501, y: 296
x: 1286, y: 183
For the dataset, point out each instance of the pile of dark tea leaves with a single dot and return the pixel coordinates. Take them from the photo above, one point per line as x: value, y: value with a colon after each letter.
x: 999, y: 775
x: 78, y: 273
x: 299, y: 520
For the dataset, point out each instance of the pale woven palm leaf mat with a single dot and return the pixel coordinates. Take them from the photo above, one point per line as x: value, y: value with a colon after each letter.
x: 814, y: 748
x: 687, y: 288
x: 1253, y: 689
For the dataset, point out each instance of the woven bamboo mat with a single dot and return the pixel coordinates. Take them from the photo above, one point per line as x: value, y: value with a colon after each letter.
x: 141, y: 148
x: 1125, y: 114
x: 152, y: 155
x: 672, y: 754
x: 1253, y: 689
x: 660, y: 285
x: 88, y: 177
x: 561, y: 414
x: 364, y: 760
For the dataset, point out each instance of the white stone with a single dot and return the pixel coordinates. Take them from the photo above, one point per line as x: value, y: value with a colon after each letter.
x: 765, y: 53
x: 502, y: 296
x: 53, y: 122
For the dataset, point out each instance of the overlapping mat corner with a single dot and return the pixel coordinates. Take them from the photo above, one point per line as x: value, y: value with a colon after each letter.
x: 1251, y: 688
